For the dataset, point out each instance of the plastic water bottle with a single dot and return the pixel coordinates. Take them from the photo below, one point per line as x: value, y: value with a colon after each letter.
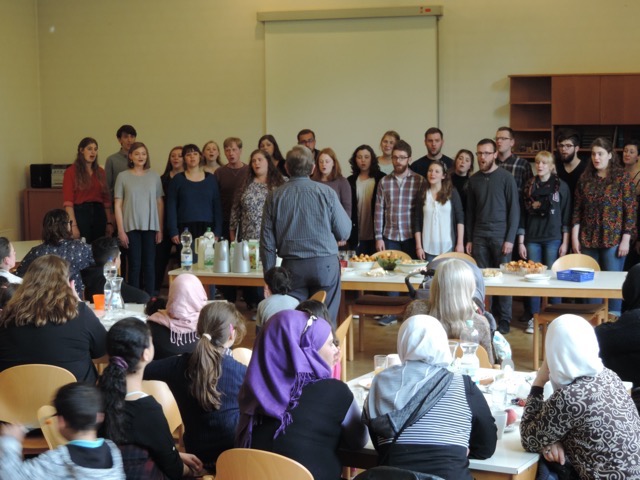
x: 186, y: 256
x: 208, y: 251
x: 110, y: 271
x: 469, y: 363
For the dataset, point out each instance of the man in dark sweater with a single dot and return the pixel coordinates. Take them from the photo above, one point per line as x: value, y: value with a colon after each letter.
x: 493, y: 213
x: 434, y: 141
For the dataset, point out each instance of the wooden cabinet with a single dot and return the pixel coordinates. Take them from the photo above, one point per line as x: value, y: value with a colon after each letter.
x: 575, y: 100
x: 36, y: 203
x: 620, y: 100
x: 594, y: 105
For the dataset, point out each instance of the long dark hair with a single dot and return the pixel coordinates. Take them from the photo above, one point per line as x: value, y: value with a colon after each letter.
x: 277, y: 154
x: 375, y: 166
x: 83, y: 179
x: 614, y: 168
x: 55, y: 226
x: 215, y: 324
x: 126, y: 342
x: 274, y: 177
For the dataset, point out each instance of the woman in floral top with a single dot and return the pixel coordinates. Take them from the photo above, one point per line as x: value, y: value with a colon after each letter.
x: 589, y: 421
x: 246, y: 212
x: 604, y: 214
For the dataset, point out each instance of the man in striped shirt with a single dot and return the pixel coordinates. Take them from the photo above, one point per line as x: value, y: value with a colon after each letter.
x: 303, y: 221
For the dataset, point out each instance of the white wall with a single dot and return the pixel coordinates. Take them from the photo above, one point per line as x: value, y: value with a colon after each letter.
x: 190, y: 70
x: 20, y: 140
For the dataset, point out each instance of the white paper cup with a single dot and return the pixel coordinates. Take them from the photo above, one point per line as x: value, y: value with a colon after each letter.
x: 393, y: 359
x: 500, y: 418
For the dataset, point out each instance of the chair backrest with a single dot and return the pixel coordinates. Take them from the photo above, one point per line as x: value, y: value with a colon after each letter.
x: 242, y: 355
x: 49, y: 426
x: 575, y: 260
x: 25, y: 388
x: 481, y: 353
x: 320, y: 296
x: 341, y: 337
x: 245, y: 463
x: 397, y: 253
x: 461, y: 256
x: 161, y: 392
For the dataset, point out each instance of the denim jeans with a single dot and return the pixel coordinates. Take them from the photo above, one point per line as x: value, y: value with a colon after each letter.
x: 545, y: 253
x: 488, y: 254
x: 142, y: 256
x: 608, y: 260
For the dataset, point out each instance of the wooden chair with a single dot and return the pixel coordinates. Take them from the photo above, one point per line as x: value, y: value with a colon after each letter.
x: 242, y: 355
x: 372, y: 305
x: 49, y: 427
x: 461, y: 256
x: 341, y: 336
x: 320, y: 296
x: 161, y: 392
x: 395, y: 253
x: 481, y: 353
x: 593, y: 313
x: 246, y: 463
x: 23, y: 390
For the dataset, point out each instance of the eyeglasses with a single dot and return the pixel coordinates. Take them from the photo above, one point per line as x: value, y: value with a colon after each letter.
x: 401, y: 158
x: 306, y: 142
x: 484, y: 154
x: 504, y: 139
x: 563, y: 146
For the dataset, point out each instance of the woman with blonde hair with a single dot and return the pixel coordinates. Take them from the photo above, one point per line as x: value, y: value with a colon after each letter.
x: 45, y: 322
x: 211, y: 159
x: 388, y: 141
x: 453, y: 310
x: 206, y: 382
x: 543, y: 235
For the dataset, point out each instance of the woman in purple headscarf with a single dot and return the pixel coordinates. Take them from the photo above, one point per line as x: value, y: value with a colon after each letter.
x: 289, y: 404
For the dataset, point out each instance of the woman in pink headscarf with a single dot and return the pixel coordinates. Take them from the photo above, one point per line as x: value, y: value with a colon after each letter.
x: 173, y: 328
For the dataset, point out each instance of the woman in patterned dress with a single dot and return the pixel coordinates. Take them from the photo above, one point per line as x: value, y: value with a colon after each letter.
x: 246, y: 213
x: 604, y: 212
x: 589, y: 421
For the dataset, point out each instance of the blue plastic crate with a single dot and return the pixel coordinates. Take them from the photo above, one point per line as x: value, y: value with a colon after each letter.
x: 575, y: 275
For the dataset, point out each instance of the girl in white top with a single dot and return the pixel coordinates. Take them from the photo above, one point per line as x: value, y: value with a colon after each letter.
x: 8, y: 261
x: 439, y: 228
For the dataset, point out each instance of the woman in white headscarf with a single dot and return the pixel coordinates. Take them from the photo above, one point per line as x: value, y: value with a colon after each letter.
x: 445, y: 417
x: 589, y: 420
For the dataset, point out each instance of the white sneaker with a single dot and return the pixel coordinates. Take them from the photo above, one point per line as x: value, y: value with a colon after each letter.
x: 529, y: 328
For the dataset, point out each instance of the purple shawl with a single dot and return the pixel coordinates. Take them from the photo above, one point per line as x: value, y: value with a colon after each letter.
x: 284, y: 361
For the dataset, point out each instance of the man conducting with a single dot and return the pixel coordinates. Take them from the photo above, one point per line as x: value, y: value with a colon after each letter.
x: 302, y: 223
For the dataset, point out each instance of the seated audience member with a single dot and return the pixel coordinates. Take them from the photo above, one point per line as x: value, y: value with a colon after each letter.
x: 454, y: 275
x: 278, y: 285
x: 78, y: 414
x: 173, y: 327
x: 8, y: 260
x: 620, y: 341
x: 105, y: 249
x: 134, y: 420
x: 589, y: 421
x: 57, y: 239
x: 45, y: 322
x: 422, y: 417
x: 289, y: 404
x: 206, y: 383
x: 7, y: 290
